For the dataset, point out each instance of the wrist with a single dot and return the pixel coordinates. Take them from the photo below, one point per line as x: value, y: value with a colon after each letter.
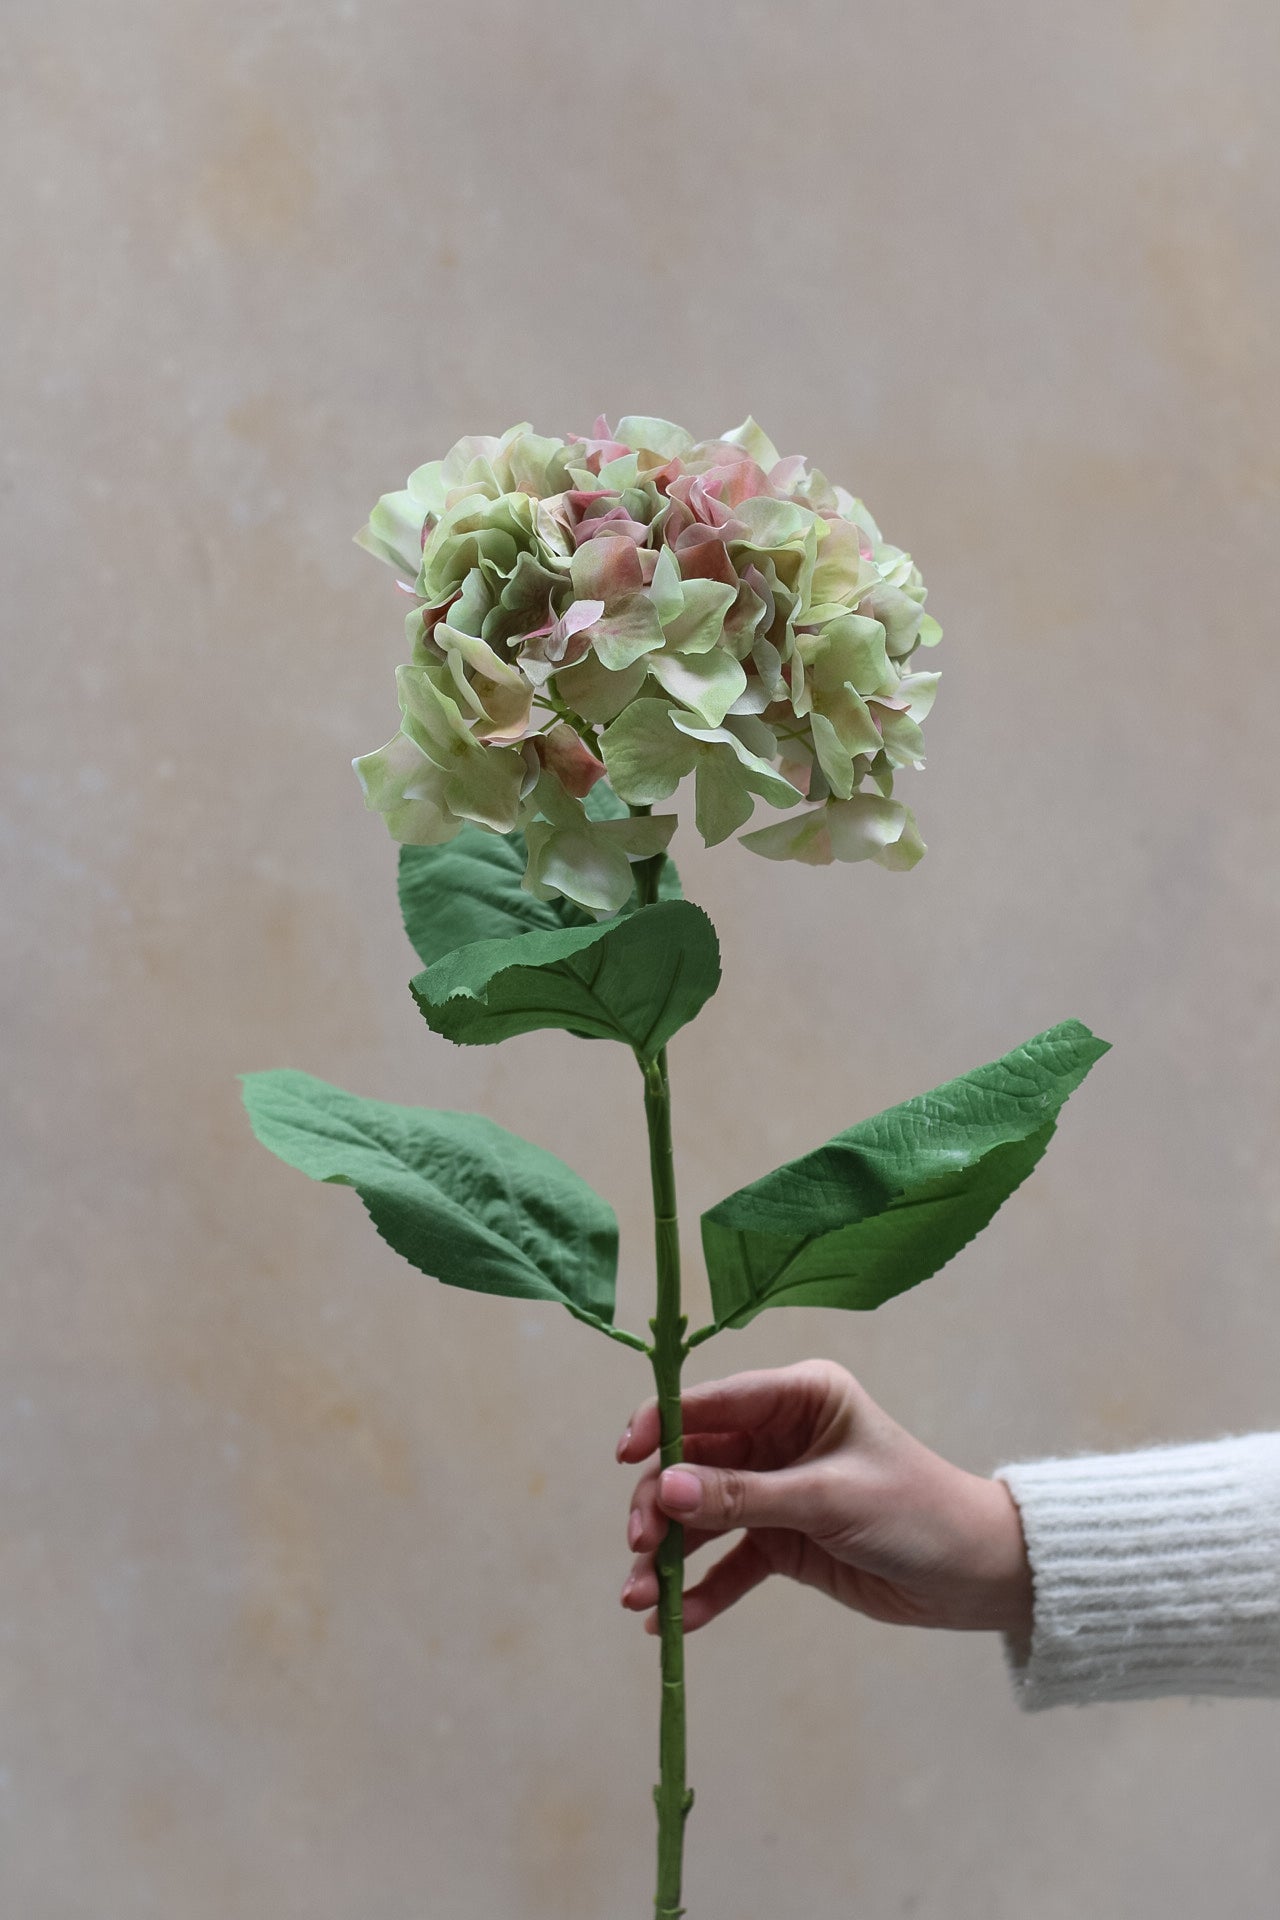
x: 1008, y: 1601
x: 986, y: 1586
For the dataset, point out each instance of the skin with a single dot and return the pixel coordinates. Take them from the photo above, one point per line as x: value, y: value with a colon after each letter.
x: 830, y: 1491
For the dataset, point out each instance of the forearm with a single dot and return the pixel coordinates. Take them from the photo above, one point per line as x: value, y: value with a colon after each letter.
x: 1153, y: 1573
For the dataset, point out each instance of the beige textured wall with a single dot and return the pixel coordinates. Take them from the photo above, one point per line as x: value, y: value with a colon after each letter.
x: 309, y: 1566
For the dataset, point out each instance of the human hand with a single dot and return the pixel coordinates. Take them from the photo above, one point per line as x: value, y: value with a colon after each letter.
x: 831, y: 1492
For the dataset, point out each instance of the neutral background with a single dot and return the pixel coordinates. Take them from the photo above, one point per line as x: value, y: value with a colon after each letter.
x: 309, y: 1573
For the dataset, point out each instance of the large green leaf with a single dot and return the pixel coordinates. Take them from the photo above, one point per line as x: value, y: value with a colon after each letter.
x: 636, y: 979
x: 460, y: 1197
x: 884, y: 1205
x: 469, y: 889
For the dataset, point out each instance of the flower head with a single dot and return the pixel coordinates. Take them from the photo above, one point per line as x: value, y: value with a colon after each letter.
x: 639, y: 604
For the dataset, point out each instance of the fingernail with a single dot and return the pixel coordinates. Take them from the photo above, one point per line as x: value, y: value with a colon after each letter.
x: 682, y: 1491
x: 623, y: 1444
x: 635, y: 1528
x: 627, y: 1585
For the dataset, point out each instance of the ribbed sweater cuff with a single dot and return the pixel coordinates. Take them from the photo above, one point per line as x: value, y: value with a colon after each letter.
x: 1154, y: 1573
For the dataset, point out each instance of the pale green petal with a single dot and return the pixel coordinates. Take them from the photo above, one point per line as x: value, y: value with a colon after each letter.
x: 868, y: 827
x: 903, y: 740
x: 555, y: 541
x: 428, y: 487
x: 699, y: 624
x: 918, y: 689
x: 616, y: 475
x: 894, y: 565
x: 754, y: 441
x: 531, y: 463
x: 840, y: 574
x: 756, y: 699
x: 881, y: 771
x: 486, y: 786
x: 493, y: 689
x: 627, y: 631
x: 775, y: 524
x: 476, y: 602
x: 594, y: 692
x: 899, y: 615
x: 906, y: 851
x: 850, y: 649
x: 585, y: 859
x: 481, y: 783
x: 666, y: 589
x: 855, y: 510
x: 580, y: 866
x: 646, y: 756
x: 475, y: 531
x: 473, y: 454
x: 432, y: 719
x: 805, y: 836
x: 760, y: 775
x: 643, y: 835
x: 833, y: 756
x: 708, y: 683
x: 930, y: 631
x: 394, y: 533
x: 851, y: 717
x: 402, y: 785
x: 723, y: 801
x: 657, y: 436
x: 755, y: 736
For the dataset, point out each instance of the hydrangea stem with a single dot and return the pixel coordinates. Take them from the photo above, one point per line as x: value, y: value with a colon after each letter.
x: 667, y: 1353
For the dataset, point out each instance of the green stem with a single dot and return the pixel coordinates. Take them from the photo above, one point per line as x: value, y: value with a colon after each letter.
x: 671, y: 1796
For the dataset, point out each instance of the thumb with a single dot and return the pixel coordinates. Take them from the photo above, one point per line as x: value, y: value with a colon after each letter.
x: 717, y: 1499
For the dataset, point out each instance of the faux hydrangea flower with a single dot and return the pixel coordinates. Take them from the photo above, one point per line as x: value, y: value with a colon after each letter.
x: 645, y: 606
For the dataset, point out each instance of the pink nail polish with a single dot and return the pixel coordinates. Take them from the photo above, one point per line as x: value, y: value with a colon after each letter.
x: 623, y: 1444
x: 634, y: 1529
x: 627, y: 1585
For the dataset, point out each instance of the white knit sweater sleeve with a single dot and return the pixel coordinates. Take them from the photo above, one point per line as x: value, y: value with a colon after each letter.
x: 1153, y: 1573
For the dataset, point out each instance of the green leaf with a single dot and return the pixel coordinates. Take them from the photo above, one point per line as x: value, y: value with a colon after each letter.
x: 884, y: 1205
x: 636, y: 979
x: 469, y: 889
x: 460, y: 1197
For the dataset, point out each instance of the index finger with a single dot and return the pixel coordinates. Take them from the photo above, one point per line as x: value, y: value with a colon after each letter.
x: 743, y: 1402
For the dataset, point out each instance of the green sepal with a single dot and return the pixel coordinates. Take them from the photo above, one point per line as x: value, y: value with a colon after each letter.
x: 882, y: 1206
x: 461, y: 1198
x: 470, y: 889
x: 636, y: 979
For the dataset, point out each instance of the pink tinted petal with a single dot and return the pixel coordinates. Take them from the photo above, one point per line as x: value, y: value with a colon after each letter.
x: 599, y: 447
x: 671, y: 522
x: 715, y: 453
x: 618, y: 521
x: 705, y: 536
x: 579, y: 614
x: 663, y: 473
x: 573, y: 763
x: 703, y: 554
x: 607, y: 568
x: 743, y: 480
x: 562, y: 644
x: 789, y: 472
